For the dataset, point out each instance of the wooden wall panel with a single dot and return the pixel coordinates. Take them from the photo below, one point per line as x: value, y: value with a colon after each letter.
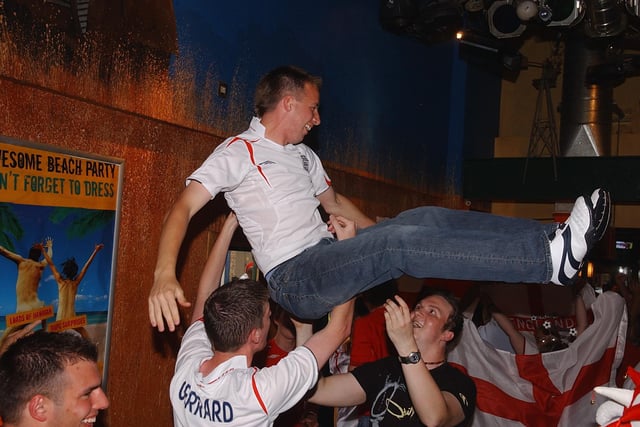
x: 157, y: 157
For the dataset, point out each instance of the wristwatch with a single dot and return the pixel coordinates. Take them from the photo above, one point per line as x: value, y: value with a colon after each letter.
x: 413, y: 358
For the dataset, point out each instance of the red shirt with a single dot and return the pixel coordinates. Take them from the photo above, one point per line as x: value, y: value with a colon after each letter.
x: 369, y: 338
x: 274, y: 353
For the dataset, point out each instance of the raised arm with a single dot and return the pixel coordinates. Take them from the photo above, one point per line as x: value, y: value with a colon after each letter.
x: 97, y: 249
x: 433, y: 406
x: 337, y: 204
x: 212, y: 272
x: 10, y: 255
x: 166, y: 292
x: 516, y: 338
x: 338, y: 390
x: 323, y: 343
x: 47, y: 257
x: 48, y: 244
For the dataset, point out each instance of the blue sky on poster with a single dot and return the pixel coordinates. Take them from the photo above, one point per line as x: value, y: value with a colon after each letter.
x: 94, y: 290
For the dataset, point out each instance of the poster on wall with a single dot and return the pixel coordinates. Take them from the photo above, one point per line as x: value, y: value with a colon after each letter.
x: 59, y: 212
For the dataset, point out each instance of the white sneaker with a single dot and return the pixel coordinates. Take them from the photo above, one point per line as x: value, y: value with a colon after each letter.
x: 585, y: 226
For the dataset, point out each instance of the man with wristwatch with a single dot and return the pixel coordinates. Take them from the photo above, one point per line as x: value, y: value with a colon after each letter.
x: 418, y: 387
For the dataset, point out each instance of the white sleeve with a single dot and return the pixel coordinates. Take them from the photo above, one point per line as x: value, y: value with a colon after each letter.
x: 225, y: 168
x: 285, y: 384
x: 195, y: 345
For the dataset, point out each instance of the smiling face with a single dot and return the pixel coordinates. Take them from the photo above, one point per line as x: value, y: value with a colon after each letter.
x: 303, y: 113
x: 429, y: 318
x: 82, y: 397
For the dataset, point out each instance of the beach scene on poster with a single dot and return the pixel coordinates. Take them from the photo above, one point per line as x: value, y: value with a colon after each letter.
x: 57, y: 241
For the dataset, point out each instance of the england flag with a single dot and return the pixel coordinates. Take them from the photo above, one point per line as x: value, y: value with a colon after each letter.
x: 549, y: 389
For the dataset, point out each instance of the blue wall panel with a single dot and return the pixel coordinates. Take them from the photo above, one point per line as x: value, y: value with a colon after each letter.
x: 390, y: 105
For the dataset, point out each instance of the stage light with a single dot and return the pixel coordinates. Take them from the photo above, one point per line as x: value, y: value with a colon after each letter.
x: 590, y: 270
x: 565, y: 13
x: 503, y: 20
x: 526, y: 10
x: 545, y: 14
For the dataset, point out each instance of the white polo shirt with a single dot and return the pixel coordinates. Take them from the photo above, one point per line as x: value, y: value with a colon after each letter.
x: 272, y: 189
x: 232, y: 394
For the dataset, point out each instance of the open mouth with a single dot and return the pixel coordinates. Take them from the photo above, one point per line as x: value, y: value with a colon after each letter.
x: 89, y: 420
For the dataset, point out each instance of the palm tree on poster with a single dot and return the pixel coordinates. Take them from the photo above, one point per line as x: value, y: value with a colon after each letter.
x: 83, y: 221
x: 11, y: 229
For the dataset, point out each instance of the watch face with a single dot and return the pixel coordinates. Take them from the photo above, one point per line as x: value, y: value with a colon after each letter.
x: 412, y: 358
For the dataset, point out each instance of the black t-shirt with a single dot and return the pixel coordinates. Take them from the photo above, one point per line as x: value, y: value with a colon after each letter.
x: 386, y: 390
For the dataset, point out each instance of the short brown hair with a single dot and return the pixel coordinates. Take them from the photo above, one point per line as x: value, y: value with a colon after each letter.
x: 232, y: 311
x: 281, y: 81
x: 35, y: 364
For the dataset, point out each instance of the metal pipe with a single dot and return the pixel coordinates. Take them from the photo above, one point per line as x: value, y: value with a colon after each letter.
x: 586, y: 109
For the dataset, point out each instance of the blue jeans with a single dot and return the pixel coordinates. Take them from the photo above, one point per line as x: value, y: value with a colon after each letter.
x: 426, y: 242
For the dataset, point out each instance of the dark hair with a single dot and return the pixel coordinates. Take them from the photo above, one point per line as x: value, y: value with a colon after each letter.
x: 34, y: 365
x: 285, y: 80
x: 34, y: 253
x: 232, y: 311
x: 70, y: 268
x: 455, y: 321
x: 280, y: 315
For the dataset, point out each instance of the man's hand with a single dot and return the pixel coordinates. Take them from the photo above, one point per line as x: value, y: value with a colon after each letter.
x: 164, y: 298
x: 342, y: 227
x: 166, y: 289
x: 397, y: 316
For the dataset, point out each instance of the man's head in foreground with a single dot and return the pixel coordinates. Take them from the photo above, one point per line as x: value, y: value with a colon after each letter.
x: 50, y: 379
